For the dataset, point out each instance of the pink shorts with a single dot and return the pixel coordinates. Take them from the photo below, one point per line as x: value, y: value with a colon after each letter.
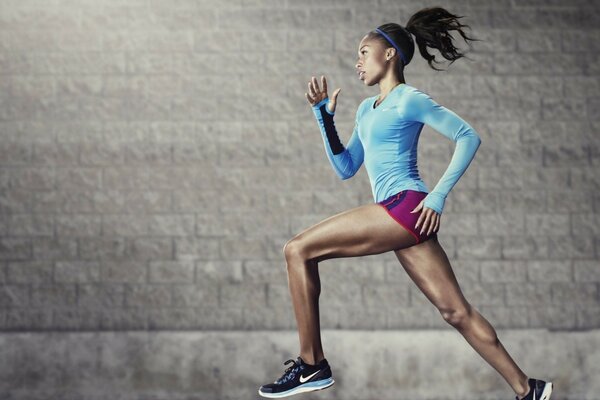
x: 400, y: 205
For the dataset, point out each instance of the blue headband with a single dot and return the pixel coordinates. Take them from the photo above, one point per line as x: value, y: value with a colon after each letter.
x: 393, y: 44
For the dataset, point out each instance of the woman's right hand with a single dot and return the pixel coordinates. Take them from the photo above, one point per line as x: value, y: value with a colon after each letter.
x: 316, y: 95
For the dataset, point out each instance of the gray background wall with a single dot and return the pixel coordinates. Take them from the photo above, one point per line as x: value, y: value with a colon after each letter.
x: 156, y: 156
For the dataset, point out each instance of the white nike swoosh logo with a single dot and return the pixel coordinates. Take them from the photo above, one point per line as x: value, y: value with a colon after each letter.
x: 303, y: 379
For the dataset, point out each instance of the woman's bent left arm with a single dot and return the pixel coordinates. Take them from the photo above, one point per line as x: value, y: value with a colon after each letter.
x: 449, y: 124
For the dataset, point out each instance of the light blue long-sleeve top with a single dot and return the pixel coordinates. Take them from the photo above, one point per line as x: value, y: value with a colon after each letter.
x: 385, y: 138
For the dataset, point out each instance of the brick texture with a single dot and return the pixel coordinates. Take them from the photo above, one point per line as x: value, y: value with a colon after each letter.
x: 156, y: 156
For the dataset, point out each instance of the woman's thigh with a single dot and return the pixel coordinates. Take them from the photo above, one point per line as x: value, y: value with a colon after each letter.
x: 428, y: 266
x: 360, y: 231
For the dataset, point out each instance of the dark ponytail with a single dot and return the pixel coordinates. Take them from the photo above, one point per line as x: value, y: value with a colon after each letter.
x: 431, y: 28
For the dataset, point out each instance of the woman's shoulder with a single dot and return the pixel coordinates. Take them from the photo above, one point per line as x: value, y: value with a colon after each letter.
x: 413, y: 102
x: 414, y: 91
x: 362, y: 107
x: 365, y: 101
x: 413, y: 96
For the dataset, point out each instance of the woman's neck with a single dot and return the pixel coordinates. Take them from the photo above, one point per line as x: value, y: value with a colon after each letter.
x: 387, y: 85
x: 387, y: 92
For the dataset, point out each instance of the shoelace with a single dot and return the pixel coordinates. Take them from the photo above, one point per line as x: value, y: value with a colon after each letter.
x: 289, y: 371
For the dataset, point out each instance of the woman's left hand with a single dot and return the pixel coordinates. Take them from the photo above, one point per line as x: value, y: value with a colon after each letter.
x: 429, y: 219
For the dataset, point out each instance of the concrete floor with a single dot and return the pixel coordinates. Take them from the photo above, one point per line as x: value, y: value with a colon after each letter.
x: 408, y: 364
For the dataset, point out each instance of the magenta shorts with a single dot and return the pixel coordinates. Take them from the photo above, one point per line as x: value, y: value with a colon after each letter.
x: 400, y: 205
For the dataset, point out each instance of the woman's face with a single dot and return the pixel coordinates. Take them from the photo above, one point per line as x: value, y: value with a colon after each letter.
x: 371, y: 65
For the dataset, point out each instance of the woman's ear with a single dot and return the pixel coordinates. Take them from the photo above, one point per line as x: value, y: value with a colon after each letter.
x: 390, y: 54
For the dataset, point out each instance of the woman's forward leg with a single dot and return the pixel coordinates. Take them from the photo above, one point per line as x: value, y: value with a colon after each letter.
x: 360, y: 231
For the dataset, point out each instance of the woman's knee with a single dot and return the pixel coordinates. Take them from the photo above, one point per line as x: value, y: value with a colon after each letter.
x: 457, y: 316
x: 294, y: 249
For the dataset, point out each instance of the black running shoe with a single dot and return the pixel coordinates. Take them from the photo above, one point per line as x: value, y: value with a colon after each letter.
x: 538, y: 390
x: 298, y: 378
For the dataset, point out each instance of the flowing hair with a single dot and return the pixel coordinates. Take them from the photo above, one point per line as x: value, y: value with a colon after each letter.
x: 431, y: 28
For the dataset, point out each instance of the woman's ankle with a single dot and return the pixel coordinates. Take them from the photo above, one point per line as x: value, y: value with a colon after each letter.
x: 314, y: 360
x: 521, y: 397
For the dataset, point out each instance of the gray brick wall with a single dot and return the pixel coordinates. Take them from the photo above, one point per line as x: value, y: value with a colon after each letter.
x: 157, y: 155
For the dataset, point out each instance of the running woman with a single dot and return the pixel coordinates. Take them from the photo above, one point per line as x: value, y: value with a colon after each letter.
x: 405, y: 216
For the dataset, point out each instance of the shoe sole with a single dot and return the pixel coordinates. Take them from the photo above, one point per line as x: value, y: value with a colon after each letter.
x: 307, y: 387
x: 547, y: 391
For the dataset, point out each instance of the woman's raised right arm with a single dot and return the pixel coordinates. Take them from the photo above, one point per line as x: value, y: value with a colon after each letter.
x: 345, y: 160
